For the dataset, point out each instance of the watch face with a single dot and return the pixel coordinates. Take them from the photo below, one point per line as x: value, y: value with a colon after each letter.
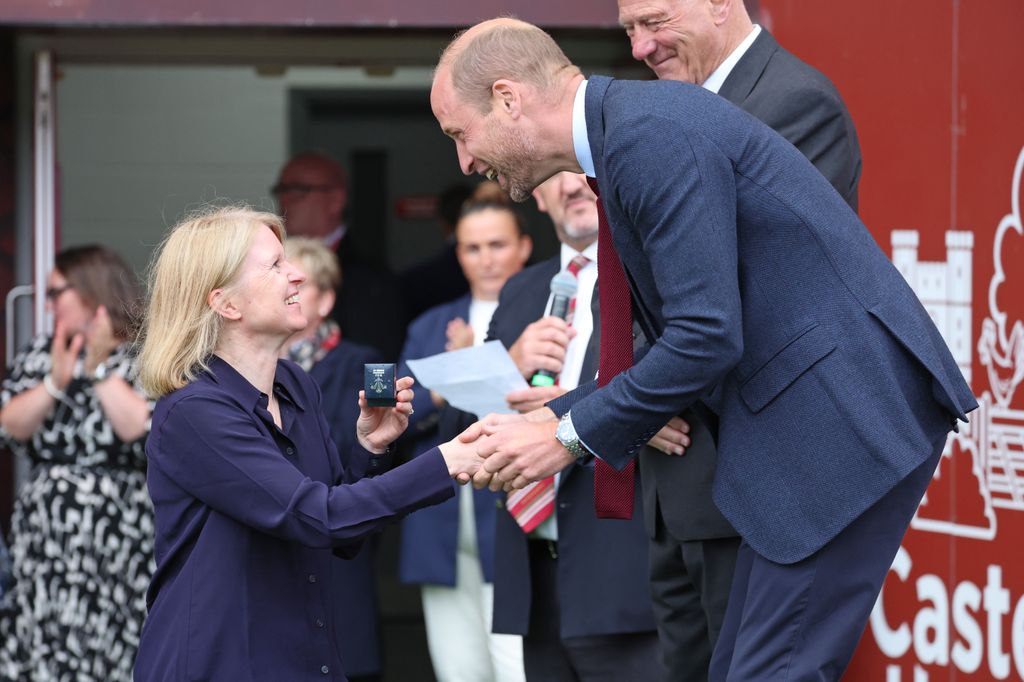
x: 565, y: 433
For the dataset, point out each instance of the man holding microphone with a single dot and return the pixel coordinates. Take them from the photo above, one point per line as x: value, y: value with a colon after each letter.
x: 551, y: 552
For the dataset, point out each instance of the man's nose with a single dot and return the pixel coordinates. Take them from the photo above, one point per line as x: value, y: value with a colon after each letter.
x: 465, y: 159
x: 642, y: 43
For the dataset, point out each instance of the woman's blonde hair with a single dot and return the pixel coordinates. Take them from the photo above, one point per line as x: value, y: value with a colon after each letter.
x: 180, y: 330
x: 317, y: 261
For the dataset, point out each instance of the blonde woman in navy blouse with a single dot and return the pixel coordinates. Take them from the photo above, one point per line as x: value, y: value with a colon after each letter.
x: 252, y: 500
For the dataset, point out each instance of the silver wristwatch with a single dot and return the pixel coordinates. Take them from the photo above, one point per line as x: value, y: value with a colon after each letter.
x: 566, y: 435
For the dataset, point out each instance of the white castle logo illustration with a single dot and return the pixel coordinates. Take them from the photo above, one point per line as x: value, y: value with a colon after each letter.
x: 994, y: 438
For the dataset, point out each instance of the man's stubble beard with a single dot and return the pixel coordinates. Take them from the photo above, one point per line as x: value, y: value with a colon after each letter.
x: 519, y: 155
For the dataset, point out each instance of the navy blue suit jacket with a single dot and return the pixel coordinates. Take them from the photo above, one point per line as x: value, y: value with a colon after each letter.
x: 429, y: 539
x: 801, y: 104
x: 772, y: 303
x: 602, y: 557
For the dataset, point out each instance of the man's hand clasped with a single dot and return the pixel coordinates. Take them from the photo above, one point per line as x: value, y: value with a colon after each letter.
x: 513, y: 450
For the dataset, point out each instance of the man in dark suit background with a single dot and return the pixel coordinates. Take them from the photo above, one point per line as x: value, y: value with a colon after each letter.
x: 545, y: 577
x: 714, y: 44
x: 764, y: 298
x: 312, y: 193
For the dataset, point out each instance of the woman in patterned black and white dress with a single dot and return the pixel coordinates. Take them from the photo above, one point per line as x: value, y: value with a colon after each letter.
x: 82, y: 531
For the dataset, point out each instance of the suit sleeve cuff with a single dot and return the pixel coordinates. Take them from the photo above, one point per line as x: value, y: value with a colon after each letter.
x: 583, y: 442
x: 563, y: 403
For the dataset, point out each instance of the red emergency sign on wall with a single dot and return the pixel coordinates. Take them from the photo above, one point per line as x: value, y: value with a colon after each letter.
x: 936, y: 89
x: 416, y: 207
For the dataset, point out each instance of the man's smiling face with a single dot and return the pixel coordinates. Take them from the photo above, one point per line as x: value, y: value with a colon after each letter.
x: 488, y: 143
x: 678, y: 39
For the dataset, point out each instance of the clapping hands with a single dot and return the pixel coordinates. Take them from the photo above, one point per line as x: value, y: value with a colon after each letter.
x: 100, y: 340
x: 459, y: 335
x: 63, y: 355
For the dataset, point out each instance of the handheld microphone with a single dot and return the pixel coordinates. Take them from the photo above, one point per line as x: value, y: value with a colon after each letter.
x: 563, y: 290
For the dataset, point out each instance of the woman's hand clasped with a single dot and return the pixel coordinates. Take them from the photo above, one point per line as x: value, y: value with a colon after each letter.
x: 460, y: 454
x: 100, y: 340
x: 378, y: 427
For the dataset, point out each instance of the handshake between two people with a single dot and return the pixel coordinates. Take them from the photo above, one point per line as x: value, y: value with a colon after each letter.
x: 501, y: 451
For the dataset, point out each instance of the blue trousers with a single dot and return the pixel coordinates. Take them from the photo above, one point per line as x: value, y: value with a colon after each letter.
x: 802, y: 621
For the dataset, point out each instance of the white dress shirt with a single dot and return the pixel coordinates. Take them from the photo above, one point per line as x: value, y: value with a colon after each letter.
x: 583, y: 317
x: 717, y: 78
x: 583, y: 323
x: 480, y: 313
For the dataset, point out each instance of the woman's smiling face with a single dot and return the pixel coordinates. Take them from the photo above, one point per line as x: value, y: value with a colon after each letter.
x: 267, y: 293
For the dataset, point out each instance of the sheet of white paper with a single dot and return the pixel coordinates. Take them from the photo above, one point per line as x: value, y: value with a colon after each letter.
x: 474, y: 380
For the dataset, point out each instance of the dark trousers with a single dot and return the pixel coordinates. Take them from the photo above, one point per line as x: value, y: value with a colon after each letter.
x: 690, y: 582
x: 547, y: 657
x: 802, y: 621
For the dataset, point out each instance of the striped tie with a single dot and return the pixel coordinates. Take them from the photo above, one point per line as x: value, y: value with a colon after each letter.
x: 534, y: 504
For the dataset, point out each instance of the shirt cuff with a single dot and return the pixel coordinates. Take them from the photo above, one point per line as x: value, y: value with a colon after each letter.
x: 578, y: 437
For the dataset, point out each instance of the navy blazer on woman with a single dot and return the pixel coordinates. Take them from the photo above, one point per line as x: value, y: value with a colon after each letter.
x: 247, y: 515
x: 770, y: 302
x: 603, y: 579
x: 430, y: 536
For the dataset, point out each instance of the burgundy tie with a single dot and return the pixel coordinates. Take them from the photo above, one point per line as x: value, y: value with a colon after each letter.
x: 613, y: 490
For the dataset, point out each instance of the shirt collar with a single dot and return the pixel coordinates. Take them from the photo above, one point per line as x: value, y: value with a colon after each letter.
x: 717, y: 78
x: 567, y: 253
x: 580, y: 139
x: 239, y: 387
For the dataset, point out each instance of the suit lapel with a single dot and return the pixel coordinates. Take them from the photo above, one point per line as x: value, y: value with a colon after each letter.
x: 744, y: 76
x: 597, y: 88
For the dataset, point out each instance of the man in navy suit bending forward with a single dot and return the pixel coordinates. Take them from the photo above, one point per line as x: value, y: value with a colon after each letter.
x: 767, y: 302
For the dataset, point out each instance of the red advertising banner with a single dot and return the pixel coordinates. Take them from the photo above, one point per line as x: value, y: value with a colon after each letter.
x: 937, y: 92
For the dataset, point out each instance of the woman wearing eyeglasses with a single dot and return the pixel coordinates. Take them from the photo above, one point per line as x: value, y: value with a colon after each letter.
x: 82, y: 529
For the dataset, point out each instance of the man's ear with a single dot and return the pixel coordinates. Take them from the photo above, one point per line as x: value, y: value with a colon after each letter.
x: 720, y: 10
x: 538, y: 196
x: 508, y: 97
x: 223, y: 305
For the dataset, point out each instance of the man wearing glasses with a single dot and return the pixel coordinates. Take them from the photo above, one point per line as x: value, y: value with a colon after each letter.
x: 311, y: 193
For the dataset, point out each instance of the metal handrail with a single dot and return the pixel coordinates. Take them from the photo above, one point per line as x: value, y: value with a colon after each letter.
x: 12, y: 296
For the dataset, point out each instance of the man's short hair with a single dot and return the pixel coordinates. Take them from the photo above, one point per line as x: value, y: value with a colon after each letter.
x: 517, y: 51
